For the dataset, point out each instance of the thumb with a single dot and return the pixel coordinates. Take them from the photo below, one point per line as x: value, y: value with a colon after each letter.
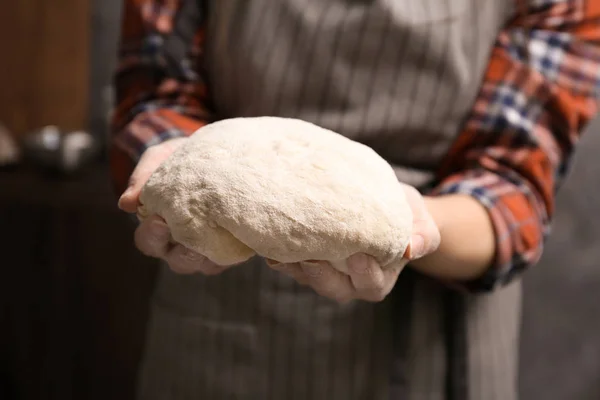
x: 129, y: 200
x: 426, y: 234
x: 425, y: 239
x: 149, y: 162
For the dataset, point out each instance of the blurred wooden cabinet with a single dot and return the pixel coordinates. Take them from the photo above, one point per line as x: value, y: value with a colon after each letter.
x: 74, y: 292
x: 44, y: 63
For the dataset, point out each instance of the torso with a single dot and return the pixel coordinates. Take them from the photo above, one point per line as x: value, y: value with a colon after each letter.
x: 397, y: 75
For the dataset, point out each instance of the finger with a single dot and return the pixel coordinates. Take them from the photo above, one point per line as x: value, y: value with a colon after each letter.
x: 293, y: 270
x: 185, y: 261
x: 129, y: 200
x: 328, y: 282
x: 425, y: 239
x: 152, y: 237
x: 369, y: 279
x: 426, y: 235
x: 365, y: 272
x: 391, y: 273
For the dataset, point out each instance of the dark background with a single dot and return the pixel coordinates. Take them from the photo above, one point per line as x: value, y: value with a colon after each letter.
x: 73, y: 291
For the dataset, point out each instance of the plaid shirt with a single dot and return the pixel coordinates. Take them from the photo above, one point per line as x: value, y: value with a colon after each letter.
x: 540, y: 89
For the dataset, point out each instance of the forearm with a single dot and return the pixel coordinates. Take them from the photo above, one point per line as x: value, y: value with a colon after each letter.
x: 154, y: 103
x: 467, y: 245
x: 495, y: 194
x: 145, y: 130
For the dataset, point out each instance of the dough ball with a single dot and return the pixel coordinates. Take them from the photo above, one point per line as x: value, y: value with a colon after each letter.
x: 281, y: 188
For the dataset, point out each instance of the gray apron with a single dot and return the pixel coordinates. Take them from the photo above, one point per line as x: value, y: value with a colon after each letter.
x: 400, y: 76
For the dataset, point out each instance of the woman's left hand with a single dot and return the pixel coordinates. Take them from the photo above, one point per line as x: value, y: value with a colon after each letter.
x: 366, y: 280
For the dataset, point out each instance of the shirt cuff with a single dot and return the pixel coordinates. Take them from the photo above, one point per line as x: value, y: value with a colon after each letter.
x: 153, y: 127
x: 518, y: 225
x: 147, y: 129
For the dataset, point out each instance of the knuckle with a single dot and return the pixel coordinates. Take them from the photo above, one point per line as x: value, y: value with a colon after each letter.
x: 379, y: 285
x: 376, y: 283
x: 324, y: 290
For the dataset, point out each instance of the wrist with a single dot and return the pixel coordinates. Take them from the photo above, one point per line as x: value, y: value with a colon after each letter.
x: 467, y: 238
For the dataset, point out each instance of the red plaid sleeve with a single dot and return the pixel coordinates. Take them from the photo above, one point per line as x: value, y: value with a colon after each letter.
x: 540, y: 90
x: 157, y: 98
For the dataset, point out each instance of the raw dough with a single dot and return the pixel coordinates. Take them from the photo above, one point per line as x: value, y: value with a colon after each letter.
x: 281, y: 188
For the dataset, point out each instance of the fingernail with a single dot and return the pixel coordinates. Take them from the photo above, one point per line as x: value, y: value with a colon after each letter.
x: 271, y: 263
x: 278, y: 266
x: 358, y: 263
x: 312, y: 268
x: 191, y: 255
x: 417, y: 246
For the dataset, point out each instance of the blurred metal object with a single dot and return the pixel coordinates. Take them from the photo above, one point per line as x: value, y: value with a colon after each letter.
x: 10, y: 154
x: 55, y: 151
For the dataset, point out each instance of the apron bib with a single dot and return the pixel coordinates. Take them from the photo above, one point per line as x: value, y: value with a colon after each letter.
x: 397, y: 75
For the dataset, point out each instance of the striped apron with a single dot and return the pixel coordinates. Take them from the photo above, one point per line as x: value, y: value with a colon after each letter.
x: 401, y: 77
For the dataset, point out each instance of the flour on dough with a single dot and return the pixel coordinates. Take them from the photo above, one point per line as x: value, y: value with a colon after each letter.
x: 281, y: 188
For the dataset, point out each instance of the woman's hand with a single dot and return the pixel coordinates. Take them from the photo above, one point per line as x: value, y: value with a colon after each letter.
x: 152, y: 158
x: 153, y: 237
x: 366, y: 280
